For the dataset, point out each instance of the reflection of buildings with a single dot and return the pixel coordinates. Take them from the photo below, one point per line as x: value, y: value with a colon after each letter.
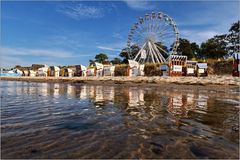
x: 108, y: 93
x: 87, y: 92
x: 97, y: 93
x: 104, y: 94
x: 180, y: 104
x: 71, y: 90
x: 202, y: 101
x: 136, y: 97
x: 56, y: 89
x: 83, y: 92
x: 140, y: 102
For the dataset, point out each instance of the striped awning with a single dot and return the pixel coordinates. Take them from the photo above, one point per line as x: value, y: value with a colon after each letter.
x: 177, y: 57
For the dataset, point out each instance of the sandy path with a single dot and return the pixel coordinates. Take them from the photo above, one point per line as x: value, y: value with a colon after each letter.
x: 210, y: 80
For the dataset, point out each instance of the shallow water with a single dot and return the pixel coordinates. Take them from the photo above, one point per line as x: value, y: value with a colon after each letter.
x: 52, y: 120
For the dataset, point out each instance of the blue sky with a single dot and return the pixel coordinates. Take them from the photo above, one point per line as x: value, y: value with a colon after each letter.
x: 67, y: 33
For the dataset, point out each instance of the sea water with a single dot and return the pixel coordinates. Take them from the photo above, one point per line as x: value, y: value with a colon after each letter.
x: 53, y: 120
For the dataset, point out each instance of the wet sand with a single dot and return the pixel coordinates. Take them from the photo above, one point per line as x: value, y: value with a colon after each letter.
x: 223, y: 81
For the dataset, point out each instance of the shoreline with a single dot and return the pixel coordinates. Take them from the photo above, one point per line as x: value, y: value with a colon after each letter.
x: 219, y: 81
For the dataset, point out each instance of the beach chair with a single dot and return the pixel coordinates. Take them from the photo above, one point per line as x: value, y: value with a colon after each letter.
x: 177, y: 63
x: 164, y: 68
x: 190, y: 69
x: 98, y: 69
x: 135, y: 69
x: 81, y: 71
x: 202, y: 69
x: 91, y: 71
x: 108, y: 70
x: 54, y: 71
x: 32, y: 73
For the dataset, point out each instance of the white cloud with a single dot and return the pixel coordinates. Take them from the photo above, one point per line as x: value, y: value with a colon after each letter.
x: 115, y: 46
x: 117, y: 35
x: 80, y: 11
x: 10, y: 62
x: 9, y: 57
x: 198, y: 36
x: 109, y: 48
x: 139, y: 5
x: 67, y: 41
x: 35, y: 52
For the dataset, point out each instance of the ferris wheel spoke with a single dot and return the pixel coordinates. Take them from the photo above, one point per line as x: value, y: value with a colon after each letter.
x: 160, y: 55
x: 166, y: 37
x: 166, y: 34
x: 162, y: 50
x: 163, y: 30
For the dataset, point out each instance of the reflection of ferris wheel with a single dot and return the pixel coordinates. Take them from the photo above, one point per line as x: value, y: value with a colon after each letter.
x: 154, y: 35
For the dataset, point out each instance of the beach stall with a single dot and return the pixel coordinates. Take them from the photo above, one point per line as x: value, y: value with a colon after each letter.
x: 81, y: 71
x: 164, y: 68
x: 17, y: 71
x: 32, y: 73
x: 67, y: 72
x: 236, y: 65
x: 141, y: 69
x: 53, y: 71
x: 135, y: 69
x: 202, y: 69
x: 91, y: 71
x: 108, y: 70
x: 43, y: 71
x: 25, y: 72
x: 177, y: 63
x: 98, y: 69
x: 190, y: 69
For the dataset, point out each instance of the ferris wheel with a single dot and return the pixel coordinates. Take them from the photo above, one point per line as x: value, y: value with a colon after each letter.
x: 155, y: 36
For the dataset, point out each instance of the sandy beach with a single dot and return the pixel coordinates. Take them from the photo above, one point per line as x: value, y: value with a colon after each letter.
x: 224, y: 81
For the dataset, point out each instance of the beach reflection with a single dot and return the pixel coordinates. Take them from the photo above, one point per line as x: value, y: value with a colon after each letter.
x: 101, y: 121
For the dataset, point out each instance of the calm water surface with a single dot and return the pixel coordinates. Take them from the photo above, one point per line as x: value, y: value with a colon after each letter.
x: 52, y: 120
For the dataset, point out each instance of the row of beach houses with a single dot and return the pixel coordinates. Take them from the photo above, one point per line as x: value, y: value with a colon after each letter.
x: 176, y: 66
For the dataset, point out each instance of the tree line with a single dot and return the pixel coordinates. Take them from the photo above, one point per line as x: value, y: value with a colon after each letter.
x: 219, y: 46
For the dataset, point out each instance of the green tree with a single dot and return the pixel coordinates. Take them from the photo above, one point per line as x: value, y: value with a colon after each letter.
x: 196, y: 49
x: 91, y: 62
x: 185, y: 48
x: 233, y: 38
x: 101, y: 57
x: 212, y: 48
x: 160, y: 45
x: 17, y: 66
x: 124, y: 55
x: 133, y: 50
x: 116, y: 61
